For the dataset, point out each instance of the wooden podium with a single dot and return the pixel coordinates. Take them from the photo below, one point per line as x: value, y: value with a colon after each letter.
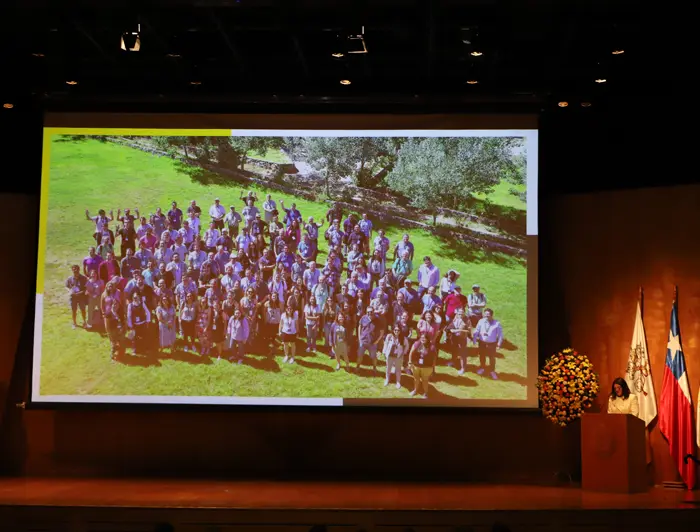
x: 613, y: 453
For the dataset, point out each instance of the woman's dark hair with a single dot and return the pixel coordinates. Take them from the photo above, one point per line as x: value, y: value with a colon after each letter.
x: 623, y: 384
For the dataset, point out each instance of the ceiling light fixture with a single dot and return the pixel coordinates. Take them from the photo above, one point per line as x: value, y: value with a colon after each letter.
x: 618, y: 51
x: 472, y: 82
x: 38, y: 54
x: 477, y: 54
x: 345, y: 82
x: 7, y: 105
x: 195, y: 82
x: 586, y: 104
x: 338, y: 55
x: 71, y: 82
x: 131, y: 40
x: 175, y: 56
x: 600, y: 80
x: 563, y: 104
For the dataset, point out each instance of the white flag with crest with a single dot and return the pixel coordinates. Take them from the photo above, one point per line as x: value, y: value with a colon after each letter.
x: 638, y: 374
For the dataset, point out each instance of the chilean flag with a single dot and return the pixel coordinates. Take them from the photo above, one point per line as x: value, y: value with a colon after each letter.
x: 675, y: 406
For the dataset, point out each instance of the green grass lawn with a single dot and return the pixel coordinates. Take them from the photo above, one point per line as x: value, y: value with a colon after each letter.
x: 272, y: 156
x: 93, y: 175
x: 501, y: 196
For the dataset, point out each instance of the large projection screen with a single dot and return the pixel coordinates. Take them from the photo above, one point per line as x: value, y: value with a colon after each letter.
x: 253, y: 259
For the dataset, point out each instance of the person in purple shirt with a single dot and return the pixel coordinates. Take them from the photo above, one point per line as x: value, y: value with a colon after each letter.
x: 158, y: 220
x: 410, y: 296
x: 291, y: 214
x: 237, y: 333
x: 404, y: 245
x: 286, y: 259
x: 91, y: 262
x: 225, y: 240
x: 430, y: 300
x: 489, y: 335
x: 369, y: 335
x: 381, y: 293
x: 428, y: 275
x: 175, y: 216
x: 76, y: 285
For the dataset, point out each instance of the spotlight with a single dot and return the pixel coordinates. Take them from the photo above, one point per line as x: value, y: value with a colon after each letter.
x: 338, y: 55
x: 618, y: 51
x: 131, y: 40
x: 477, y: 54
x: 563, y: 104
x: 195, y: 82
x: 8, y: 105
x: 38, y: 54
x: 345, y: 82
x: 472, y: 82
x: 601, y: 80
x: 586, y: 104
x: 71, y: 82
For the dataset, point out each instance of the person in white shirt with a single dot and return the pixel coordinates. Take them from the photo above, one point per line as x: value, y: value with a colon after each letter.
x: 177, y: 267
x: 194, y: 222
x: 312, y: 315
x: 489, y: 335
x: 211, y: 237
x: 621, y: 400
x: 428, y: 275
x: 217, y: 213
x: 232, y: 221
x: 448, y: 283
x: 288, y: 333
x: 187, y: 233
x: 395, y: 348
x: 269, y: 206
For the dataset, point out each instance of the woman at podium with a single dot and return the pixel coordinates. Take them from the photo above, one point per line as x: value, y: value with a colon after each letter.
x: 621, y: 401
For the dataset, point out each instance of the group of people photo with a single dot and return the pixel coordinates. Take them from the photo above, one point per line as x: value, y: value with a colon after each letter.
x: 256, y: 275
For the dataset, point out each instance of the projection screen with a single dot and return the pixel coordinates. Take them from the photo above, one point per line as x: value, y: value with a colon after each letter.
x: 301, y: 260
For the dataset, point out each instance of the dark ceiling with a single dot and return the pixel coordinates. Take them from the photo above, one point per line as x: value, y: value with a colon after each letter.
x: 535, y: 52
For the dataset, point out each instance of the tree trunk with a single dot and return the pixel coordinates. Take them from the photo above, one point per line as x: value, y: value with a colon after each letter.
x: 187, y: 155
x: 435, y: 217
x: 328, y: 185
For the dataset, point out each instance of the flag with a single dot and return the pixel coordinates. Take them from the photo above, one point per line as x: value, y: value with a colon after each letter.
x: 638, y: 374
x: 676, y: 412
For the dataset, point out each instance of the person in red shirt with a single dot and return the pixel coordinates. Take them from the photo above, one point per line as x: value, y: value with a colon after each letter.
x: 109, y: 268
x: 453, y: 301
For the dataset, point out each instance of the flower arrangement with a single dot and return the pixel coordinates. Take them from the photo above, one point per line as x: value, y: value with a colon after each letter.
x: 566, y: 385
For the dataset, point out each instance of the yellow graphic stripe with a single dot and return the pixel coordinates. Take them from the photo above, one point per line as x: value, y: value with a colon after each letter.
x: 137, y: 132
x: 43, y: 211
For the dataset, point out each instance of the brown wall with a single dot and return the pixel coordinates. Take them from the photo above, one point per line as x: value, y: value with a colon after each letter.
x: 609, y: 244
x: 601, y: 249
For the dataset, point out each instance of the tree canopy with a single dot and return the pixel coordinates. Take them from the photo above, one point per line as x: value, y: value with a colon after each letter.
x: 441, y: 172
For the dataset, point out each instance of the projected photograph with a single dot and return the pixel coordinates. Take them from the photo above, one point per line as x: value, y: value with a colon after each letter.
x: 230, y: 268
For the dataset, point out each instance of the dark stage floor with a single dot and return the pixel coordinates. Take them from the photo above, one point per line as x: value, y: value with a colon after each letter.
x: 221, y: 506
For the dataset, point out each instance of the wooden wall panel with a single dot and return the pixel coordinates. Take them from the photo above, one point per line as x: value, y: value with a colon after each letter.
x: 608, y: 245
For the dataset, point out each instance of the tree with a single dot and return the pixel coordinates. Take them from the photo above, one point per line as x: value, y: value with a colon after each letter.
x: 335, y: 158
x: 434, y: 171
x: 224, y: 151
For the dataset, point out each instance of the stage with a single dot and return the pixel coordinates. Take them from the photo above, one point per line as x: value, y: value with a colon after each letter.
x: 87, y: 505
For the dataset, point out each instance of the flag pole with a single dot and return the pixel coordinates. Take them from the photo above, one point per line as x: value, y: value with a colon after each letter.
x: 641, y: 299
x: 675, y: 294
